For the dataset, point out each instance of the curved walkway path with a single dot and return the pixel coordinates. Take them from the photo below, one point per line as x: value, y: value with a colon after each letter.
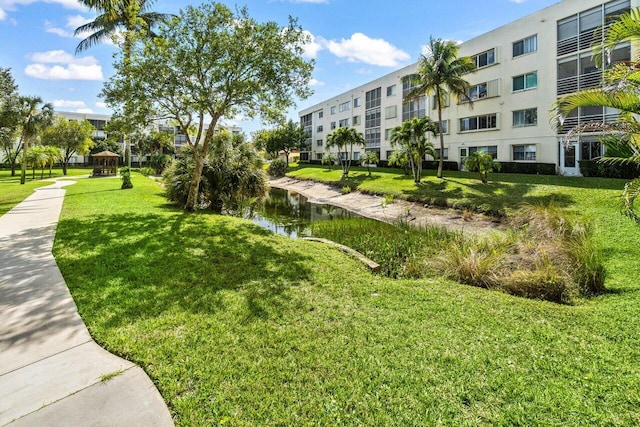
x: 51, y: 371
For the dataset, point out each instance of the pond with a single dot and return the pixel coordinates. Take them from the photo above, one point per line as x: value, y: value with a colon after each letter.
x: 291, y: 214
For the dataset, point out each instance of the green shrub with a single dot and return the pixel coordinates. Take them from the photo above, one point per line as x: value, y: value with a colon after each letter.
x: 146, y: 171
x: 125, y: 174
x: 594, y: 168
x: 528, y: 168
x: 232, y: 177
x: 346, y: 189
x: 277, y: 167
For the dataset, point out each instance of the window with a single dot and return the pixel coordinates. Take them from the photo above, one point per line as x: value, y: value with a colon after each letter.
x: 570, y: 157
x: 524, y: 46
x: 356, y: 155
x: 389, y: 153
x: 485, y: 59
x: 333, y: 109
x: 373, y: 98
x: 356, y: 120
x: 320, y: 114
x: 333, y: 125
x: 345, y: 106
x: 414, y: 108
x: 568, y: 28
x: 491, y: 149
x: 372, y: 118
x: 319, y: 129
x: 344, y: 123
x: 528, y: 117
x: 478, y: 91
x: 478, y: 123
x: 319, y: 156
x: 319, y: 142
x: 372, y: 137
x: 590, y: 149
x: 446, y: 154
x: 356, y: 102
x: 387, y: 134
x: 525, y: 81
x: 391, y: 112
x: 443, y: 126
x: 524, y: 153
x: 391, y: 90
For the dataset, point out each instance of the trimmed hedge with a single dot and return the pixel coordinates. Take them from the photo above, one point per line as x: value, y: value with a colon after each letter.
x: 594, y: 168
x: 528, y: 168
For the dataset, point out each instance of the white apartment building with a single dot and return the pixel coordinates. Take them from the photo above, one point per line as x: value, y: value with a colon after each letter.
x: 522, y: 68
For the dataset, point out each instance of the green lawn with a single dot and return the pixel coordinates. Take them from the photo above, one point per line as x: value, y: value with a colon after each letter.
x: 239, y: 326
x: 12, y: 193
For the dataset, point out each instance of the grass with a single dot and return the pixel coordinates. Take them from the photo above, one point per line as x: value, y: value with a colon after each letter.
x: 236, y: 325
x: 12, y: 193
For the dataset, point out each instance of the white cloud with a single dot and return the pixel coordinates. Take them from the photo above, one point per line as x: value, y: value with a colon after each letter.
x: 364, y: 71
x: 361, y: 48
x: 67, y: 66
x: 10, y: 5
x: 314, y: 82
x: 84, y: 110
x: 62, y: 57
x: 73, y: 22
x: 101, y: 104
x: 64, y: 103
x: 69, y: 72
x: 314, y: 45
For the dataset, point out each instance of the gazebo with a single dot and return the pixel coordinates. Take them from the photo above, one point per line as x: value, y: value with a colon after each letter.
x: 105, y: 163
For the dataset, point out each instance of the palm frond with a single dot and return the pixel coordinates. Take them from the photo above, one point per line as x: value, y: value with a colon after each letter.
x: 629, y: 195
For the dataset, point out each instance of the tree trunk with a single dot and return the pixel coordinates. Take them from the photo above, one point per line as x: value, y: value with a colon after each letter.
x: 192, y: 198
x: 64, y: 168
x: 25, y: 147
x: 441, y: 156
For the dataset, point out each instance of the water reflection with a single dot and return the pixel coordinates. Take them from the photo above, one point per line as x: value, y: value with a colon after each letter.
x: 290, y: 213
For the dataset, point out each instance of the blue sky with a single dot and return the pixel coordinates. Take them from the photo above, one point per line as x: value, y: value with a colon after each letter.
x: 354, y: 41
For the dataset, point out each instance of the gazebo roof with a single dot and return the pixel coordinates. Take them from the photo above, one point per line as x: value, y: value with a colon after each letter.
x: 105, y: 153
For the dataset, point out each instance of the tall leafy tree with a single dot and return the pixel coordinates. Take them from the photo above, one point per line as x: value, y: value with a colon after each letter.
x: 212, y: 63
x: 345, y: 138
x: 620, y: 90
x: 286, y: 138
x: 9, y: 118
x: 412, y: 135
x: 441, y: 72
x: 71, y: 137
x: 34, y: 118
x: 133, y: 20
x: 369, y: 158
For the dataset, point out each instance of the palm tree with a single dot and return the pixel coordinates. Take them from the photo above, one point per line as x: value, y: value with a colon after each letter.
x: 53, y: 154
x: 37, y: 158
x: 620, y: 90
x: 440, y: 72
x: 412, y: 136
x: 132, y: 16
x: 369, y: 158
x: 483, y: 163
x: 342, y: 138
x: 33, y: 121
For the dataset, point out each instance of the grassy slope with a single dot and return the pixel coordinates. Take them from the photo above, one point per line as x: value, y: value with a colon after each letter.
x: 235, y: 324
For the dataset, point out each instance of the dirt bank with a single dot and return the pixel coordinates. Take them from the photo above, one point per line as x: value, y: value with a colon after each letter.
x: 374, y: 207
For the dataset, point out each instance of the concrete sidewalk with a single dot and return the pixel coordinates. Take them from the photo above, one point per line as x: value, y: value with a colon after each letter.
x: 51, y: 371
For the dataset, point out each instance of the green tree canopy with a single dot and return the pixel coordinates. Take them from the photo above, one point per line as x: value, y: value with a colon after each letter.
x: 71, y: 136
x: 441, y: 73
x: 286, y: 138
x: 10, y: 118
x: 412, y: 135
x: 34, y: 118
x: 242, y: 66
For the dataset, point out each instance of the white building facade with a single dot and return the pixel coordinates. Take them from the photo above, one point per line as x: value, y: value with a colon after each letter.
x: 522, y: 69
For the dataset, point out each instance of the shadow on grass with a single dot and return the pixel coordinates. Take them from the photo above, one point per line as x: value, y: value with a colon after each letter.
x: 132, y: 266
x: 492, y: 198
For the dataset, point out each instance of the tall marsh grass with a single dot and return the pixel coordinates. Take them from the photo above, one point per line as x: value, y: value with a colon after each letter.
x: 546, y: 253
